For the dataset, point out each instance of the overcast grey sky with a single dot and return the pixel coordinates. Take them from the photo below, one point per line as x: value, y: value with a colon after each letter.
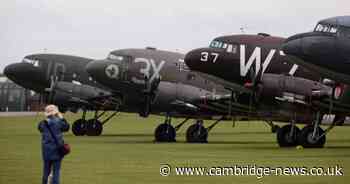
x: 93, y: 28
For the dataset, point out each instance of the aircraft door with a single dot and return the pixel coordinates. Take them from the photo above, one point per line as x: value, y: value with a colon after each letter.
x: 124, y: 69
x: 59, y: 71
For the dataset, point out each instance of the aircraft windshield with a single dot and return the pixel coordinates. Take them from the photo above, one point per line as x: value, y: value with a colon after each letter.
x: 216, y: 44
x: 221, y: 45
x: 326, y: 28
x: 31, y: 61
x: 115, y: 57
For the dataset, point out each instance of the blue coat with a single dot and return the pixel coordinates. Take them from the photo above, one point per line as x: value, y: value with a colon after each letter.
x: 48, y: 145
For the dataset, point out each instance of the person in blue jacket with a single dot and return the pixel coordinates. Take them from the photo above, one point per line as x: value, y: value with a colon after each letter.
x: 50, y: 153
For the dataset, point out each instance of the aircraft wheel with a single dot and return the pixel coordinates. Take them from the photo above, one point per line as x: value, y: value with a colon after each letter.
x: 94, y: 127
x: 79, y: 127
x: 308, y: 141
x: 165, y: 133
x: 275, y: 128
x: 285, y: 139
x: 197, y: 133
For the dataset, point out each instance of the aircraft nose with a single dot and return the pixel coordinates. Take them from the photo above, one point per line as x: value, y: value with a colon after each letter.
x: 292, y: 46
x: 93, y: 68
x: 20, y: 70
x: 10, y: 70
x: 26, y: 75
x: 309, y: 44
x: 194, y: 58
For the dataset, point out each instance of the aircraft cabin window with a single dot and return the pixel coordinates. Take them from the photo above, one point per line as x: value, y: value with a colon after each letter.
x: 36, y: 63
x: 114, y: 57
x: 232, y: 48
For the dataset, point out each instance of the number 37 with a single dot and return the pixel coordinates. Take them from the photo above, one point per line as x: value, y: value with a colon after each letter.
x: 205, y: 56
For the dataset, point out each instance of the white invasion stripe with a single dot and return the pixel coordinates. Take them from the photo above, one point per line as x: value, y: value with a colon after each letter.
x: 293, y: 70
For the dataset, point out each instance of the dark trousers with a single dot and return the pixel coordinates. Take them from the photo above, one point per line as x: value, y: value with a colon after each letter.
x: 52, y: 165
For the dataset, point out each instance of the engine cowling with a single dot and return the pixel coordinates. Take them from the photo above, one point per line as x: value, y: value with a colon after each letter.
x: 73, y: 96
x: 292, y: 88
x: 177, y: 94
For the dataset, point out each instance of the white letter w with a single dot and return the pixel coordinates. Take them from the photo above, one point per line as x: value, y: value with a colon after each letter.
x: 256, y: 55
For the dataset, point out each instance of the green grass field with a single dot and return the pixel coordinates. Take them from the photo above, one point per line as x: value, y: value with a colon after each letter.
x: 126, y: 153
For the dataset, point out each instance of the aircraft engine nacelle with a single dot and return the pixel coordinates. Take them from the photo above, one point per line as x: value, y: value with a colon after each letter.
x: 292, y: 88
x: 177, y: 94
x: 70, y: 95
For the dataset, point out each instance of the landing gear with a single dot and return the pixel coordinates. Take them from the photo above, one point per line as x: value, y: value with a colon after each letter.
x: 197, y: 133
x: 94, y: 127
x: 313, y: 136
x: 165, y: 132
x: 310, y: 139
x: 79, y: 127
x: 91, y: 127
x: 287, y: 136
x: 274, y: 128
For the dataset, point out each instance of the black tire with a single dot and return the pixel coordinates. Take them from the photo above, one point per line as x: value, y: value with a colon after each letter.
x: 165, y: 133
x: 284, y: 138
x: 275, y: 128
x: 94, y: 127
x: 197, y: 133
x: 79, y: 127
x: 306, y: 140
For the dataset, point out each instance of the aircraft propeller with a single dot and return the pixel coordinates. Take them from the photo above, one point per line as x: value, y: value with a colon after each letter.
x: 253, y: 84
x: 51, y: 91
x: 149, y: 94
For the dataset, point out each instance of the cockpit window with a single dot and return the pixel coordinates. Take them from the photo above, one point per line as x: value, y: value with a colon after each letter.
x: 31, y: 61
x: 216, y: 44
x: 231, y: 48
x: 326, y: 28
x: 115, y: 57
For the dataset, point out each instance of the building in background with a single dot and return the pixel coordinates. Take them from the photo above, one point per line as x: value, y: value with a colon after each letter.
x: 16, y: 98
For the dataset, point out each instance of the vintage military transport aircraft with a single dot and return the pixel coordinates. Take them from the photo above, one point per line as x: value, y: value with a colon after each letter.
x: 255, y: 66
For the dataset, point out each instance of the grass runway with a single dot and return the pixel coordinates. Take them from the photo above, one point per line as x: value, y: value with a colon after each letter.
x: 126, y: 153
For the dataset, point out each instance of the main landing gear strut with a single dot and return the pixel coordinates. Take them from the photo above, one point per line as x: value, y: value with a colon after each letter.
x: 165, y: 132
x: 274, y: 128
x: 91, y: 127
x: 311, y: 136
x: 196, y: 133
